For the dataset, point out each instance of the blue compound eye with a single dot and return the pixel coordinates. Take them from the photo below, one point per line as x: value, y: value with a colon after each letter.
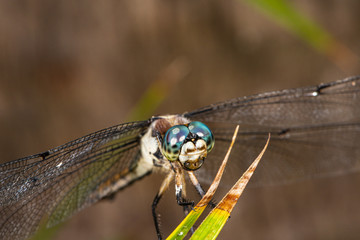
x: 203, y: 132
x: 173, y: 140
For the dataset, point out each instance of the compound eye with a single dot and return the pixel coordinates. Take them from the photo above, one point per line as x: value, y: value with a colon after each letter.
x: 173, y: 140
x: 203, y: 132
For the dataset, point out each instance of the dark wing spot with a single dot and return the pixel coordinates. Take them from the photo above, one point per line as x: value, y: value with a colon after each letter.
x: 284, y: 131
x: 43, y: 155
x: 321, y: 87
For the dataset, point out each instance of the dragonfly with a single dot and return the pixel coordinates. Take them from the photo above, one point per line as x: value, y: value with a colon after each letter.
x: 315, y: 132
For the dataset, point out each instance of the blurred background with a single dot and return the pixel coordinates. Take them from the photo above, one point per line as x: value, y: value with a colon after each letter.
x: 68, y: 68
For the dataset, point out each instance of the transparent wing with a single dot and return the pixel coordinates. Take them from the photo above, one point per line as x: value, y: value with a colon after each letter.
x: 315, y: 132
x: 57, y: 183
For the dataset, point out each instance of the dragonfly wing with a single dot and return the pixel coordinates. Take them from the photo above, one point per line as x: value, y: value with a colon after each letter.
x: 57, y: 183
x: 315, y: 131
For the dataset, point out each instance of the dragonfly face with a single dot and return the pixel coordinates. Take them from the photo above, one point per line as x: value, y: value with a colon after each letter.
x: 315, y: 132
x: 188, y: 144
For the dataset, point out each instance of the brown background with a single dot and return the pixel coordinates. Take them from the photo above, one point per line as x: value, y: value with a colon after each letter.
x: 68, y: 68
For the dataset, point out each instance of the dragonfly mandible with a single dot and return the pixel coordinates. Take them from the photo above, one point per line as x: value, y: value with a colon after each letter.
x: 315, y: 132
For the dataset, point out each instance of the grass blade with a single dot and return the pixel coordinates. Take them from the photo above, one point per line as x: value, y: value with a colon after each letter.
x: 285, y: 14
x: 215, y: 221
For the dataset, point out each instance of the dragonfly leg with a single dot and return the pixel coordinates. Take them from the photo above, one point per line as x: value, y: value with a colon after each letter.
x: 165, y: 185
x: 195, y: 182
x: 156, y: 217
x: 180, y: 190
x: 181, y: 193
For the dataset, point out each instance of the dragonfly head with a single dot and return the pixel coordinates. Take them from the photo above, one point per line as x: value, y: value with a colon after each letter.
x: 188, y: 144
